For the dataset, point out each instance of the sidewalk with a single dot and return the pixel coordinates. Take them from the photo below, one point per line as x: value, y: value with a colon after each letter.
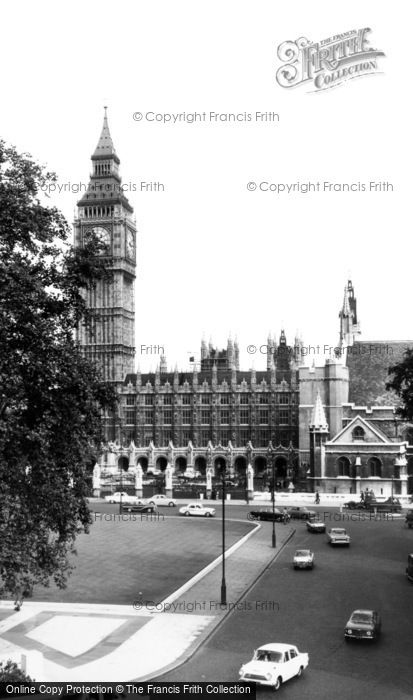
x: 82, y: 642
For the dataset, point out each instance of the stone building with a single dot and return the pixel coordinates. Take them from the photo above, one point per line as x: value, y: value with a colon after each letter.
x: 331, y: 427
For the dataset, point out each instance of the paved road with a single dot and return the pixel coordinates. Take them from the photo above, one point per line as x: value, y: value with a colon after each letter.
x: 310, y: 608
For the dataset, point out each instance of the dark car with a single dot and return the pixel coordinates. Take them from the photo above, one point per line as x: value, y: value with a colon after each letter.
x: 363, y: 624
x: 267, y: 514
x: 355, y: 505
x: 390, y: 505
x: 138, y: 508
x: 302, y: 513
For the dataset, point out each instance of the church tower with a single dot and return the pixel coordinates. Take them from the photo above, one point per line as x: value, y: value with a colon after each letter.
x: 318, y: 436
x: 105, y: 212
x: 349, y: 326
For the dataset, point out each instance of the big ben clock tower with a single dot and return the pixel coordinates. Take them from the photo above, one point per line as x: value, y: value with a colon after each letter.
x: 105, y: 212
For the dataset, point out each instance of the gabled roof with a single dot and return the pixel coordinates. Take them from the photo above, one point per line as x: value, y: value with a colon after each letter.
x: 105, y: 145
x: 368, y: 427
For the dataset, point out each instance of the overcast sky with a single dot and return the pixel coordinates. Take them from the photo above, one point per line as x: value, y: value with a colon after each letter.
x: 213, y: 257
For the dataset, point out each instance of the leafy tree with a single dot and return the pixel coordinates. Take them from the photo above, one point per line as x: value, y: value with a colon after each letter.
x: 11, y: 673
x: 402, y: 384
x: 51, y: 397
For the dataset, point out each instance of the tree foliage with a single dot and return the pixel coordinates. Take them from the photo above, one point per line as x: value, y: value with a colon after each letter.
x: 402, y: 384
x: 51, y: 397
x: 11, y: 673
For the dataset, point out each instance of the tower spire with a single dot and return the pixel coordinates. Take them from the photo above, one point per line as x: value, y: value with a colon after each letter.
x: 105, y: 145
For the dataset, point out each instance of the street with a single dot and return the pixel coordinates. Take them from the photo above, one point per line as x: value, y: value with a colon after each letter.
x: 310, y: 609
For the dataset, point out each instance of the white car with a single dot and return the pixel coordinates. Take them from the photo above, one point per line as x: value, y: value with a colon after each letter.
x: 273, y: 664
x: 161, y: 500
x: 122, y: 496
x: 197, y: 509
x: 303, y: 559
x: 338, y: 535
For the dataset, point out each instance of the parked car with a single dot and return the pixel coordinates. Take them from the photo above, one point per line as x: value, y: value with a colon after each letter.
x: 390, y: 505
x: 197, y: 509
x: 409, y: 518
x: 338, y: 535
x: 138, y: 508
x: 315, y: 526
x: 363, y: 624
x: 303, y: 559
x: 267, y: 514
x: 355, y: 505
x: 274, y: 664
x: 302, y: 513
x: 161, y: 500
x: 123, y: 497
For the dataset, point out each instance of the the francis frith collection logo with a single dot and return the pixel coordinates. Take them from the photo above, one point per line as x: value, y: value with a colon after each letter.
x: 327, y: 63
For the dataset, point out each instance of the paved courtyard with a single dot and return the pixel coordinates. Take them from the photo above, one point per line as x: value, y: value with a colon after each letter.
x: 100, y: 628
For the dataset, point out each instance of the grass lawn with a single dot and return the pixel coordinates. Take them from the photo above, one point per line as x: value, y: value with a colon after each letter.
x: 120, y: 558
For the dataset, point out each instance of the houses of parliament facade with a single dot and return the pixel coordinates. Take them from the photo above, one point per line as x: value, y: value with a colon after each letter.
x: 216, y: 415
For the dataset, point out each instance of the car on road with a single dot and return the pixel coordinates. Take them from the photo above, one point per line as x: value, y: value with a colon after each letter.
x: 338, y: 535
x: 123, y: 497
x: 268, y: 514
x: 363, y: 624
x: 303, y: 559
x: 354, y: 505
x: 161, y: 500
x: 138, y: 508
x: 316, y: 526
x: 198, y: 510
x: 302, y: 513
x: 389, y: 505
x: 409, y: 518
x: 274, y: 664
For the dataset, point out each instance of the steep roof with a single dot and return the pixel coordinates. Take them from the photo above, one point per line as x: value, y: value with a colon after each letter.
x: 368, y: 364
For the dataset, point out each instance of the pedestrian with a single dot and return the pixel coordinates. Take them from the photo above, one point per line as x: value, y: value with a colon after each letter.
x: 285, y: 515
x: 18, y: 595
x: 362, y: 496
x: 317, y: 497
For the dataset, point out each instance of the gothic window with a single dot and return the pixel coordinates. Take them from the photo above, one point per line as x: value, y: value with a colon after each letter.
x: 186, y: 416
x: 186, y: 436
x: 167, y: 417
x: 244, y: 436
x: 205, y: 437
x: 263, y: 415
x: 147, y: 437
x: 148, y: 416
x: 374, y: 466
x: 224, y: 437
x: 284, y: 399
x: 243, y: 399
x: 205, y: 399
x: 149, y: 400
x: 358, y: 433
x: 130, y: 400
x: 284, y: 417
x: 264, y: 398
x: 244, y: 415
x: 167, y: 400
x: 205, y: 416
x: 130, y: 416
x: 224, y: 400
x: 343, y: 466
x: 186, y: 399
x: 224, y: 416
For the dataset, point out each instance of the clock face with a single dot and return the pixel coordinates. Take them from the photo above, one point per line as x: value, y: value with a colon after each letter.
x: 130, y: 243
x: 102, y: 234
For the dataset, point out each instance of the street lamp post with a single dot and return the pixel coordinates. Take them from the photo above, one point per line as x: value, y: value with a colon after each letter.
x: 121, y: 489
x: 274, y: 541
x: 223, y: 582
